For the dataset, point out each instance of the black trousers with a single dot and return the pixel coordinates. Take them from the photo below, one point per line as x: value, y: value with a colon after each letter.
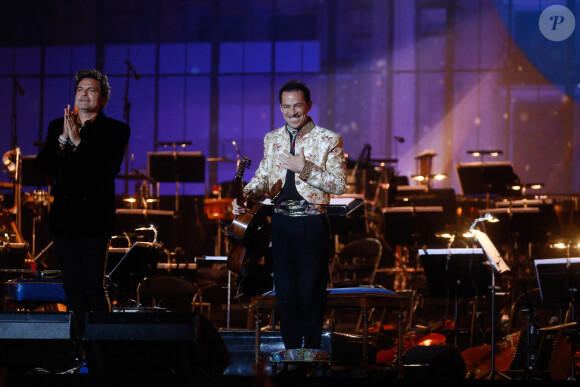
x: 300, y: 248
x: 82, y: 263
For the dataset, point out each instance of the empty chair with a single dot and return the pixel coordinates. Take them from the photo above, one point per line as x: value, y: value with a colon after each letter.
x: 173, y: 293
x: 356, y: 264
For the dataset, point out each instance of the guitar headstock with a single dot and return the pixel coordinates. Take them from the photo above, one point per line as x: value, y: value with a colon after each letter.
x: 242, y: 166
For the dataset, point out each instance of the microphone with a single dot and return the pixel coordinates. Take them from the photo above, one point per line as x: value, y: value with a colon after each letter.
x: 399, y: 139
x: 131, y: 68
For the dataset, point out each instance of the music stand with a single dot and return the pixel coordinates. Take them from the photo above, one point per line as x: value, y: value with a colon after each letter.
x: 499, y: 265
x: 128, y: 220
x: 455, y: 272
x: 558, y: 280
x: 487, y: 179
x: 413, y: 225
x: 136, y: 263
x: 185, y: 167
x: 523, y: 223
x: 30, y: 176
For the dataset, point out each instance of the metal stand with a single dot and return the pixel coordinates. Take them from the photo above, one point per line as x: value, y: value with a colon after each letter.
x: 492, y: 372
x: 497, y: 263
x: 229, y: 299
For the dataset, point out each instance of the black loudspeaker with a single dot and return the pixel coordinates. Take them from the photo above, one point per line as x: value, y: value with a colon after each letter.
x: 434, y: 362
x: 37, y: 340
x: 154, y: 343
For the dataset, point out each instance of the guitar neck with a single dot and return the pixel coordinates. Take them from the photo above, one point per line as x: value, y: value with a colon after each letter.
x: 239, y: 179
x: 239, y: 189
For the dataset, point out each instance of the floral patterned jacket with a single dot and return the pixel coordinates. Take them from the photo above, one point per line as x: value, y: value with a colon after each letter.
x: 323, y: 174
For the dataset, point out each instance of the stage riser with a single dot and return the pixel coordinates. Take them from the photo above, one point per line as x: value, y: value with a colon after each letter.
x: 115, y: 343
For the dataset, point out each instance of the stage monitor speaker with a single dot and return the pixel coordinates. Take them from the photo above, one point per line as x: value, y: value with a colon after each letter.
x: 37, y: 340
x: 441, y: 362
x: 184, y: 344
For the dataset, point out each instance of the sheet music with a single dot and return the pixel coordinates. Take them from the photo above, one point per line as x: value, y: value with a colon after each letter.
x: 490, y: 250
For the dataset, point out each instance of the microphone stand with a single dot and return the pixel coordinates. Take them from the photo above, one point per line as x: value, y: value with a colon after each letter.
x: 16, y: 89
x: 126, y: 116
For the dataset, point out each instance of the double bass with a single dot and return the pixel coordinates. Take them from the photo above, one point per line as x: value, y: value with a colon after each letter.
x: 249, y: 232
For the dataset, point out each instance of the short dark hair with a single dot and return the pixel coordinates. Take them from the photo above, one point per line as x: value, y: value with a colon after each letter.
x: 295, y: 85
x: 104, y: 86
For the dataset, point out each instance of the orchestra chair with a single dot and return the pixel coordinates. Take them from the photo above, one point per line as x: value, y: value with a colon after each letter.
x: 356, y: 263
x: 173, y: 293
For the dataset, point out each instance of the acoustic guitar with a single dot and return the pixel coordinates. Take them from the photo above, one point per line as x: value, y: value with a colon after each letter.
x: 249, y: 232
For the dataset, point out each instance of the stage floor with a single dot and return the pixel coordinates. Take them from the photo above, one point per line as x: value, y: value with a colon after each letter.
x: 252, y: 381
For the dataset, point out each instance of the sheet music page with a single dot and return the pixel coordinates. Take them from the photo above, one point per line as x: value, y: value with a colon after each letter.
x: 490, y: 250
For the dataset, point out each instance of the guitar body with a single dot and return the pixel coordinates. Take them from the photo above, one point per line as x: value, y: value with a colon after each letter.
x: 249, y: 232
x: 249, y: 239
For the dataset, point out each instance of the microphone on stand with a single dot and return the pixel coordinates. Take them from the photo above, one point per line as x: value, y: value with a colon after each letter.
x: 132, y: 69
x: 400, y: 139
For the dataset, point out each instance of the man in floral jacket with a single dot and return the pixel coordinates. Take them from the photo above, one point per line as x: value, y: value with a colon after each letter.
x: 303, y: 164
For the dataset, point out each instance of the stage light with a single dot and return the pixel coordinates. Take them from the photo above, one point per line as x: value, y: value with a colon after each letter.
x: 438, y: 176
x: 492, y: 153
x: 480, y: 153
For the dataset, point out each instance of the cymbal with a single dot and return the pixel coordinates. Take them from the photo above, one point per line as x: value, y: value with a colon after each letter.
x: 219, y: 159
x: 6, y: 185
